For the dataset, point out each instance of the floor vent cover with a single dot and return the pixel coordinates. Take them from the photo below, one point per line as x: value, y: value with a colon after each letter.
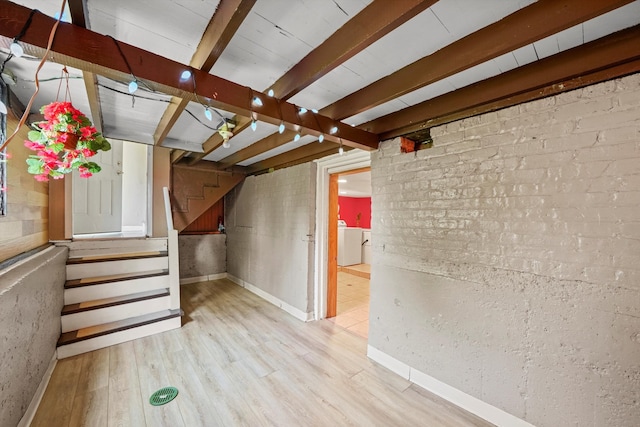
x: 162, y: 396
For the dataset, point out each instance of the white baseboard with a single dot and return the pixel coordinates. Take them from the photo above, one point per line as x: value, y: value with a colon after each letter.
x: 27, y: 418
x: 198, y: 279
x: 298, y: 314
x: 459, y: 398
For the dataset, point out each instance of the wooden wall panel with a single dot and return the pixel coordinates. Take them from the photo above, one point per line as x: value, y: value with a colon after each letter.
x: 26, y: 225
x: 208, y: 221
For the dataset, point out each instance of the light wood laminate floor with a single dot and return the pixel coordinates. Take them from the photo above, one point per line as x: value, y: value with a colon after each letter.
x: 239, y: 361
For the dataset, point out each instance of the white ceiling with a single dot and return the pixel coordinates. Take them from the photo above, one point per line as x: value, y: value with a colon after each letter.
x: 275, y: 36
x: 355, y: 185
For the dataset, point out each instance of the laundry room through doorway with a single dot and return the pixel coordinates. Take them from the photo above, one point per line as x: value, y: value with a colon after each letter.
x: 353, y: 251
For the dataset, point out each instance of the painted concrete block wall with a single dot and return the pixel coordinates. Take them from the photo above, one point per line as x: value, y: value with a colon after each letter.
x: 30, y: 305
x: 270, y: 224
x: 202, y: 255
x: 506, y: 259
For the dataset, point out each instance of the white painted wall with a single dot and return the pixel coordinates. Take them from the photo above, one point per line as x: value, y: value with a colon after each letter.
x: 134, y: 186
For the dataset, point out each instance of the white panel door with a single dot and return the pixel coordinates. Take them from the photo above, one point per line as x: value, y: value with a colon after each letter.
x: 97, y: 201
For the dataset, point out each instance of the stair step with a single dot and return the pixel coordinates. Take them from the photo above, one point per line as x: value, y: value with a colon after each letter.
x: 115, y: 257
x: 114, y: 301
x: 90, y: 281
x: 117, y: 326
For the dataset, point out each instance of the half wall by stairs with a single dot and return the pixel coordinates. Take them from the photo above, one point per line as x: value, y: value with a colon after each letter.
x: 196, y: 189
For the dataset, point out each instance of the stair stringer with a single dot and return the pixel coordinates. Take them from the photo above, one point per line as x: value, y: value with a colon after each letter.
x: 189, y: 203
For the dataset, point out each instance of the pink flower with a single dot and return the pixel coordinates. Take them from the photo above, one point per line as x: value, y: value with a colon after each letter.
x: 88, y: 153
x: 42, y: 177
x: 84, y: 172
x: 33, y: 145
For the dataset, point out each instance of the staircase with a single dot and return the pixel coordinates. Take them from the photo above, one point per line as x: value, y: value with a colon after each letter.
x: 116, y: 291
x: 119, y: 290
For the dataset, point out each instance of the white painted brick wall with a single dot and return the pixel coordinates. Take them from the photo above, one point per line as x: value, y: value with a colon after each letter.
x: 548, y: 186
x: 506, y: 259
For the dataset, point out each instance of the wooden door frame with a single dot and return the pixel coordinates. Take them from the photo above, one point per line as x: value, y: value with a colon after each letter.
x: 332, y: 258
x: 336, y: 164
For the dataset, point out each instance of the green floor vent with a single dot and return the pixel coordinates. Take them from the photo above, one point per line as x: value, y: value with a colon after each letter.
x: 163, y: 396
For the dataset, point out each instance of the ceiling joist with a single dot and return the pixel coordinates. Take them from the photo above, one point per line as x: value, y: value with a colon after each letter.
x: 372, y: 23
x: 100, y: 55
x: 609, y: 57
x: 223, y: 25
x: 527, y: 25
x: 299, y: 155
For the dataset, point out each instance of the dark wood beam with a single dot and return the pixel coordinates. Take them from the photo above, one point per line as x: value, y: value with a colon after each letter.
x: 299, y: 155
x: 90, y: 51
x: 272, y: 141
x: 215, y: 140
x: 223, y: 25
x: 610, y: 57
x: 527, y: 25
x: 371, y: 24
x: 77, y: 9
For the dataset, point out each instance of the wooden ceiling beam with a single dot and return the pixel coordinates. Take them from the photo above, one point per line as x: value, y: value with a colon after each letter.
x: 525, y: 26
x: 90, y: 51
x: 77, y: 10
x: 372, y: 23
x: 215, y: 140
x: 303, y: 154
x: 223, y: 25
x: 270, y: 142
x: 610, y: 57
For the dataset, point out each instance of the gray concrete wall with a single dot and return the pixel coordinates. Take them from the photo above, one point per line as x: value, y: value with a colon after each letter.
x: 506, y: 259
x: 270, y: 225
x: 202, y: 255
x: 30, y: 304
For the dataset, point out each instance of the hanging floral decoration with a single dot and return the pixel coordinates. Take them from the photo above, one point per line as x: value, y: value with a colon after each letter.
x: 64, y: 142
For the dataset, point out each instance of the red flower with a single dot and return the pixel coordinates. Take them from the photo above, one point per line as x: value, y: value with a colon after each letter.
x: 87, y: 152
x: 87, y: 131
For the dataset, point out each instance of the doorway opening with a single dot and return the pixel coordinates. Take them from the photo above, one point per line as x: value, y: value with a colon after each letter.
x: 114, y: 202
x: 349, y: 250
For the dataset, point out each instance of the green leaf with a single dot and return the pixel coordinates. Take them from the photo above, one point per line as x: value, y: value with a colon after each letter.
x: 34, y: 135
